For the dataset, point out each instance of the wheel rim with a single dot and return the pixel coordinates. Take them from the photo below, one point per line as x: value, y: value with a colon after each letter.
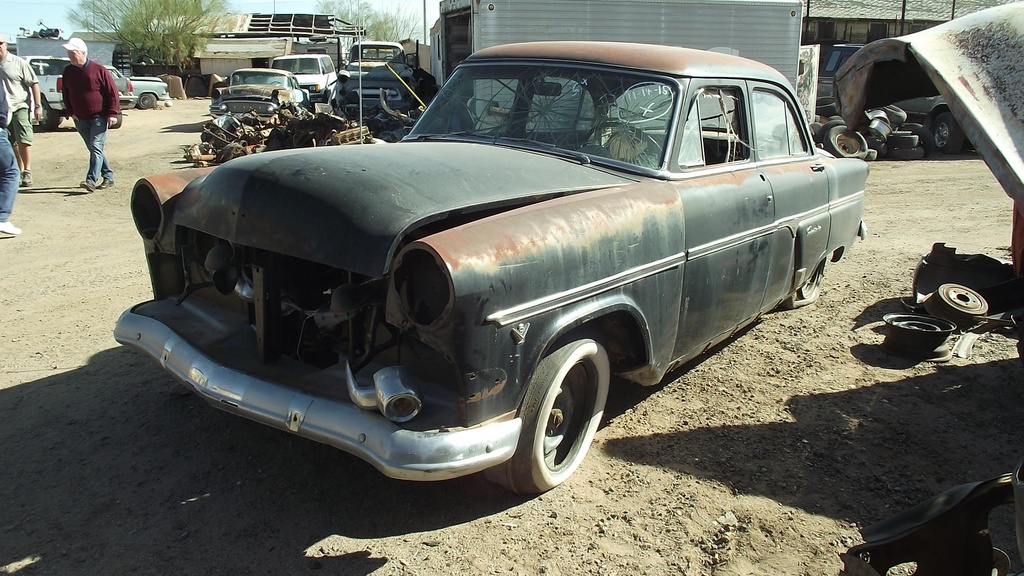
x: 847, y: 144
x: 813, y: 284
x: 566, y: 421
x: 941, y: 135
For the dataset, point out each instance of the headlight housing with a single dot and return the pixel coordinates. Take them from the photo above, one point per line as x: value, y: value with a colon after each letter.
x: 422, y: 286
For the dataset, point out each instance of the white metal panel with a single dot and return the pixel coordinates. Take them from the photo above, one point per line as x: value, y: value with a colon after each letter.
x: 223, y: 66
x: 767, y: 31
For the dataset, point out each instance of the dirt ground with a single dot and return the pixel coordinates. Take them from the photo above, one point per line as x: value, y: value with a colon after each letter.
x: 764, y: 458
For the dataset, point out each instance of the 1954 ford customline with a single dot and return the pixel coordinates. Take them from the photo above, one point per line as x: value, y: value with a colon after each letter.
x: 561, y: 213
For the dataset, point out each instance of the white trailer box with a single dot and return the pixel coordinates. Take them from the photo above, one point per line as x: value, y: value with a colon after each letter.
x: 764, y: 30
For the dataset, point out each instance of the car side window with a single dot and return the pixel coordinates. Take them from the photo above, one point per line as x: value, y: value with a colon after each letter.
x: 775, y: 126
x: 722, y: 126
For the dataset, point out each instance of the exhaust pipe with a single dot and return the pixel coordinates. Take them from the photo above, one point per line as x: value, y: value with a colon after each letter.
x: 394, y: 393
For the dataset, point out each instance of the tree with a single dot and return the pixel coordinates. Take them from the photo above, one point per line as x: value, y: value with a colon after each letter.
x: 168, y: 31
x: 393, y: 24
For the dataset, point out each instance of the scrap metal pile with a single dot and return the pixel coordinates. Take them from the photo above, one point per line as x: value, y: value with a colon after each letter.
x: 234, y: 135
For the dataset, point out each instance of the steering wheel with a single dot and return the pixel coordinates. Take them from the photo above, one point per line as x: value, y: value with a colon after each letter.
x: 626, y: 142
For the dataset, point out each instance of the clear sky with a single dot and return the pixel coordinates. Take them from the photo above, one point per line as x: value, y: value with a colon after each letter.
x: 53, y: 13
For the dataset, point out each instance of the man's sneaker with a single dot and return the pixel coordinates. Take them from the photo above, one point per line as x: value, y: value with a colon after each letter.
x: 105, y: 184
x: 8, y: 228
x: 90, y: 186
x: 26, y: 178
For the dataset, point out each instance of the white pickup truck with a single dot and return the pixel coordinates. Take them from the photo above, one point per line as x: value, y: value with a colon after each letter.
x: 49, y: 70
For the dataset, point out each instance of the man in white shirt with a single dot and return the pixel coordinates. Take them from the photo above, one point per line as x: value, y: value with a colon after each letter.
x: 22, y: 89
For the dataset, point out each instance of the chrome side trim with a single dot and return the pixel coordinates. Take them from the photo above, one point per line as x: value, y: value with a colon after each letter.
x: 394, y: 451
x: 559, y: 299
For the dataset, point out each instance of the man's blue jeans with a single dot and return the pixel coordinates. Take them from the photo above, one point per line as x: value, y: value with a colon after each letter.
x: 10, y: 177
x: 94, y: 132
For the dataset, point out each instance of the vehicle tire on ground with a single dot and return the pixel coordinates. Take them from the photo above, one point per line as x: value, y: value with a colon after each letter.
x: 915, y: 153
x: 809, y: 292
x: 51, y: 118
x: 901, y: 139
x: 949, y: 137
x: 842, y: 142
x: 822, y: 133
x: 561, y: 411
x: 118, y: 122
x: 925, y: 138
x: 896, y: 115
x: 146, y: 101
x: 878, y: 146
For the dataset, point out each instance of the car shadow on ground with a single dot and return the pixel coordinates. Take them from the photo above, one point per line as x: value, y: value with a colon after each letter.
x: 824, y: 459
x: 189, y: 128
x: 121, y: 450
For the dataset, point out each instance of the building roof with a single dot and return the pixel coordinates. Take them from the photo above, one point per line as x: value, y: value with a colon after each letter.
x: 924, y: 10
x: 245, y: 48
x: 290, y: 25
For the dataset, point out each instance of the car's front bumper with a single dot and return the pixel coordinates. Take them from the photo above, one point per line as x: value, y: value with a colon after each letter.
x: 396, y: 451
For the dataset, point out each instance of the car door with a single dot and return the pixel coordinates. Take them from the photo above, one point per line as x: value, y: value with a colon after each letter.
x: 729, y: 216
x: 799, y: 185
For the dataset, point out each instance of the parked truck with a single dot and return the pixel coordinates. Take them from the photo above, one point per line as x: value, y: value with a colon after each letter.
x: 764, y: 30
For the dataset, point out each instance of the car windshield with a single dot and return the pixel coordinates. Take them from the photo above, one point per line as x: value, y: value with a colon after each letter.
x: 49, y: 67
x: 258, y: 77
x: 375, y: 53
x: 298, y: 65
x: 604, y: 113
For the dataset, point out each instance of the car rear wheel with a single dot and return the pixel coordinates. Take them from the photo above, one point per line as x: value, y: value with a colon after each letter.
x: 51, y: 118
x: 807, y: 293
x: 146, y: 101
x: 562, y: 409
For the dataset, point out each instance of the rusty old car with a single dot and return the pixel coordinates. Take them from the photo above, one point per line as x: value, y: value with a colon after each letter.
x: 261, y: 91
x: 562, y: 213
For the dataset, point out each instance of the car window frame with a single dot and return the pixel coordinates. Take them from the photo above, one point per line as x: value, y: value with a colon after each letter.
x: 792, y: 113
x: 695, y: 87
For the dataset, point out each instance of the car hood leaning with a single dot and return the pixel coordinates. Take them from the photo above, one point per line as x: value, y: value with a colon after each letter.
x: 975, y: 62
x: 350, y: 206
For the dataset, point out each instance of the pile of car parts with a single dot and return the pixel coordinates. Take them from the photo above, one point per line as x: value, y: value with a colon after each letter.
x: 888, y: 135
x: 234, y: 135
x: 971, y: 294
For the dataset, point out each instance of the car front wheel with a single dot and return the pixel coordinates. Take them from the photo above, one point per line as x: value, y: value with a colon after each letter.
x: 949, y: 137
x: 562, y: 409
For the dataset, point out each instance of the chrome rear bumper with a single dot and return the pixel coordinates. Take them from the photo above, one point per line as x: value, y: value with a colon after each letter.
x: 397, y: 452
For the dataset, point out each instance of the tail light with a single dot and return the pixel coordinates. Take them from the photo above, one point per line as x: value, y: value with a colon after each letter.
x: 130, y: 87
x: 60, y: 83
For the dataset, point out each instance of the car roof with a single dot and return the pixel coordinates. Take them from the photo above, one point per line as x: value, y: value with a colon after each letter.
x: 265, y: 70
x: 650, y: 57
x: 297, y: 56
x: 377, y: 43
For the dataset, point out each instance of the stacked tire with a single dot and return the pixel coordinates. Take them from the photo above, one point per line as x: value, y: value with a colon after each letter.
x: 840, y: 141
x: 909, y: 142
